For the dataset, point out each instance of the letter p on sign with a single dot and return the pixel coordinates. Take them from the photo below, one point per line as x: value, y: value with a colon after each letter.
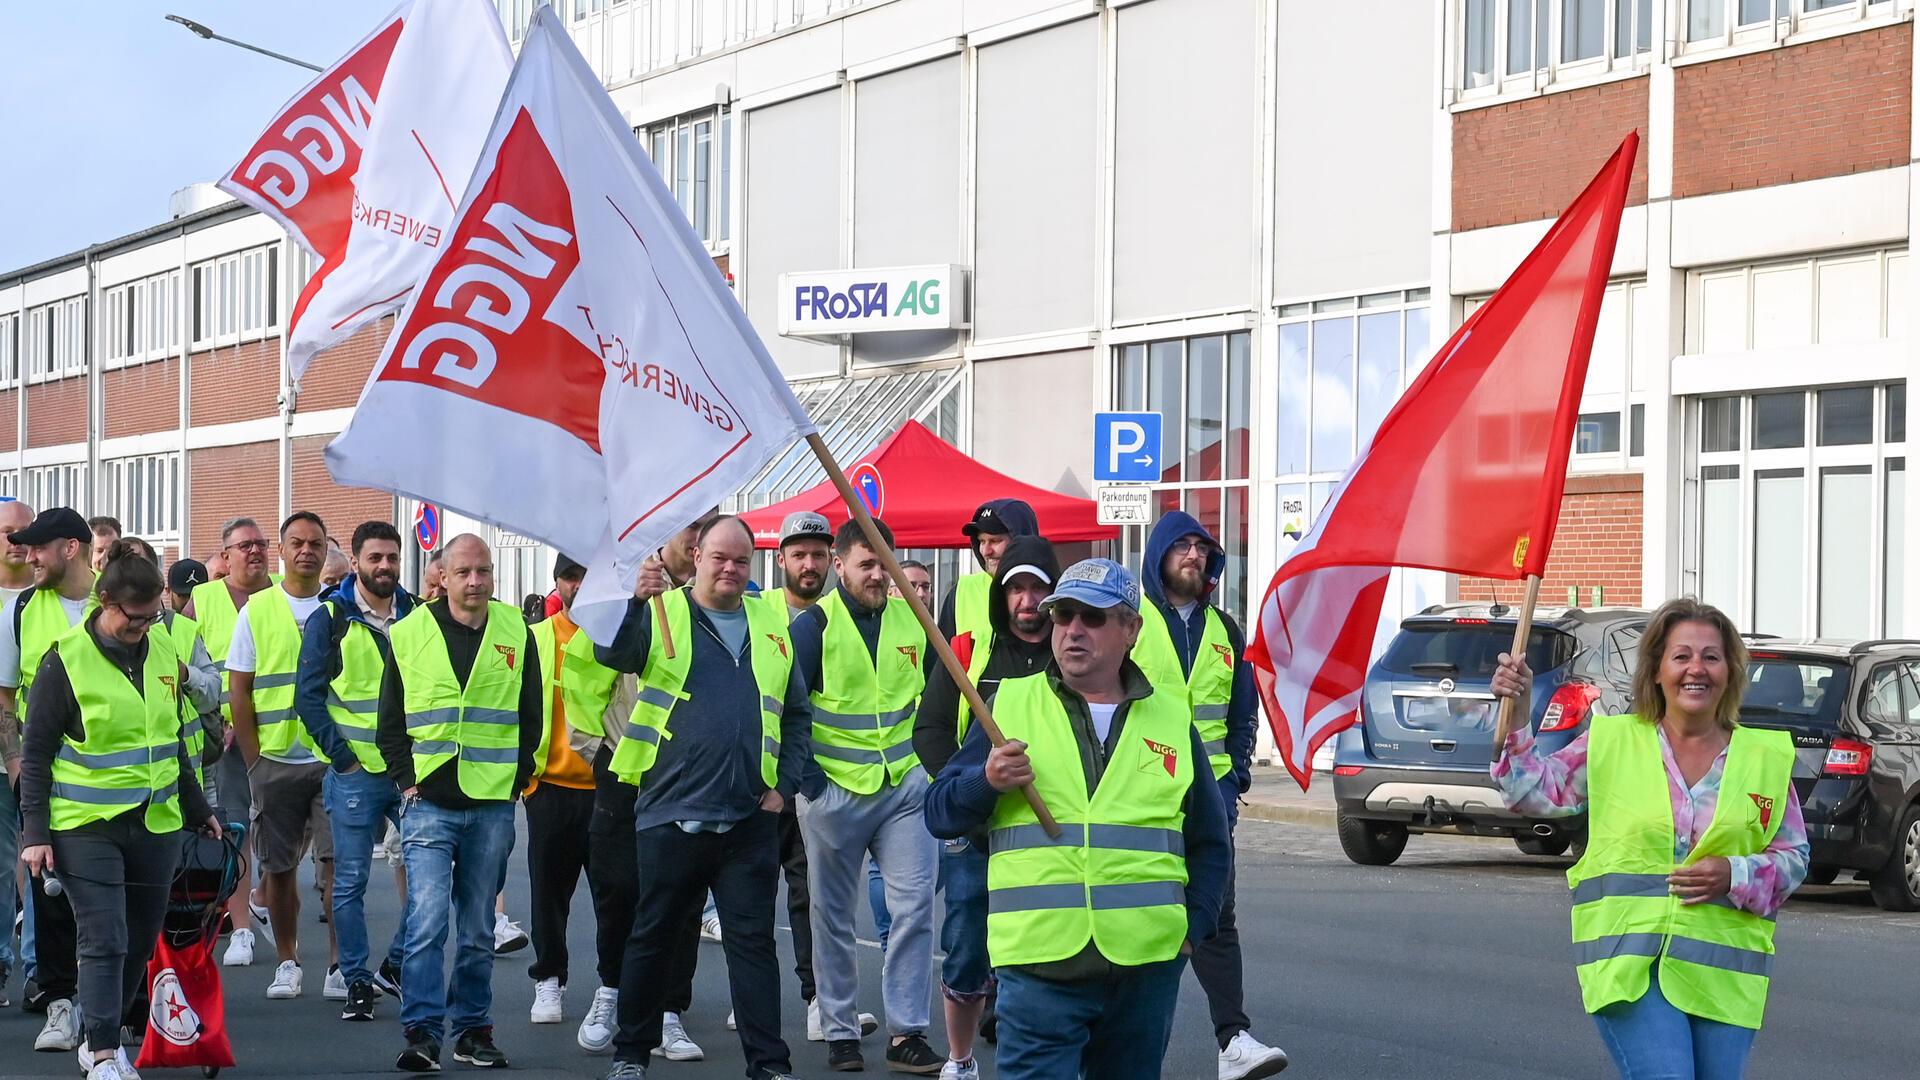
x: 1126, y: 447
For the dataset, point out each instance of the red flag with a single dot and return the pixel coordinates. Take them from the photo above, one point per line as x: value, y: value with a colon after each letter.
x: 1464, y: 475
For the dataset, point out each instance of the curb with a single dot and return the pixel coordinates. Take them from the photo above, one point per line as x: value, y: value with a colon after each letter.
x: 1291, y: 815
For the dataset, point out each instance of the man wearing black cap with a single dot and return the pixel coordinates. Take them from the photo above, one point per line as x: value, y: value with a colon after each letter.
x: 1022, y: 645
x: 994, y: 523
x: 61, y: 594
x: 559, y: 804
x: 182, y: 576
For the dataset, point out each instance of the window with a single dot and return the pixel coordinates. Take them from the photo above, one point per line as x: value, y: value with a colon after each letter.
x: 1200, y: 388
x: 142, y: 321
x: 689, y: 157
x: 57, y: 485
x: 55, y: 343
x: 1343, y: 363
x: 236, y: 297
x: 9, y: 351
x: 1801, y: 509
x: 1619, y: 370
x: 1829, y: 300
x: 1729, y: 21
x: 1511, y: 45
x: 144, y: 493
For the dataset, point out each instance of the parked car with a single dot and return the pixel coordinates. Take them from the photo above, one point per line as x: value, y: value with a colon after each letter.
x: 1417, y: 760
x: 1853, y: 709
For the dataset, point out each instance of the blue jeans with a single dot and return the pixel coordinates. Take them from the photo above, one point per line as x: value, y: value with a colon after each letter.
x: 965, y: 974
x: 357, y: 802
x: 9, y: 864
x: 1112, y: 1028
x: 456, y: 864
x: 877, y: 899
x: 1650, y: 1039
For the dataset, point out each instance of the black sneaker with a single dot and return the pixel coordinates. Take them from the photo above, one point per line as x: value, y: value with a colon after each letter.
x: 388, y: 979
x: 360, y: 998
x: 843, y: 1055
x: 422, y: 1053
x: 34, y: 999
x: 475, y: 1047
x: 911, y: 1054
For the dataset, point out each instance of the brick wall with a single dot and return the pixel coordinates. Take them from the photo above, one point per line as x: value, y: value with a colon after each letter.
x: 1527, y: 160
x: 142, y: 398
x: 1597, y: 543
x: 240, y: 382
x: 232, y: 481
x: 342, y: 508
x: 57, y: 412
x: 335, y: 378
x: 1827, y: 108
x: 9, y: 420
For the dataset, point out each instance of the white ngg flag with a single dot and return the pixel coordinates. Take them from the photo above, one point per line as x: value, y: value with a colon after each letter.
x: 364, y: 166
x: 572, y: 367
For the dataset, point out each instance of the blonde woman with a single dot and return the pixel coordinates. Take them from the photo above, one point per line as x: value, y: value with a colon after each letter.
x: 1694, y: 840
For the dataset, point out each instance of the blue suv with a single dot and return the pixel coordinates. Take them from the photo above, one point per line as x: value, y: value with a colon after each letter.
x: 1417, y: 760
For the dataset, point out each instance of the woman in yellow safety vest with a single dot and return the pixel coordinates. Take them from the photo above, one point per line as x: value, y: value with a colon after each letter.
x: 1694, y: 840
x: 105, y: 786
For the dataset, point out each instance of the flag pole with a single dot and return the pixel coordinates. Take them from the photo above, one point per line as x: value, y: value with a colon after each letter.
x: 1521, y: 631
x: 935, y: 640
x: 666, y: 635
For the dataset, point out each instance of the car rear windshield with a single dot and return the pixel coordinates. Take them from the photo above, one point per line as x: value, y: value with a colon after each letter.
x: 1794, y: 689
x: 1455, y: 650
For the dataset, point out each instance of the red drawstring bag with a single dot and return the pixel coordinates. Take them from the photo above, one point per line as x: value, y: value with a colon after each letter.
x: 187, y: 1014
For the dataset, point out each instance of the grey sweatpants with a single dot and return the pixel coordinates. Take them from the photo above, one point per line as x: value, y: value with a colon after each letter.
x: 840, y: 828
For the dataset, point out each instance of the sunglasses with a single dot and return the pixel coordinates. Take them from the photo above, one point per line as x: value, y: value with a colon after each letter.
x: 1091, y: 618
x: 137, y: 621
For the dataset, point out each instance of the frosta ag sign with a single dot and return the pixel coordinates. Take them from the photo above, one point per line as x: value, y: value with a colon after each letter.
x: 873, y: 301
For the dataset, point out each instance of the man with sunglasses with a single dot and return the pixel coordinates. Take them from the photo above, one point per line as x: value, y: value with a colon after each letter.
x: 287, y: 774
x: 57, y: 546
x: 1088, y: 933
x: 1188, y: 642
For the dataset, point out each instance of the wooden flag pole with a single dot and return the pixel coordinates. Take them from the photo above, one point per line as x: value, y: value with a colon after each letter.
x: 660, y: 615
x: 1521, y: 631
x: 935, y: 640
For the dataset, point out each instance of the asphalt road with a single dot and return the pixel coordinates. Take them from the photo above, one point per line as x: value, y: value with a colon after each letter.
x: 1452, y: 964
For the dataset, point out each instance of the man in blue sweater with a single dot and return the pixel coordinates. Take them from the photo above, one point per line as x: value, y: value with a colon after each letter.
x: 1089, y: 952
x: 715, y: 748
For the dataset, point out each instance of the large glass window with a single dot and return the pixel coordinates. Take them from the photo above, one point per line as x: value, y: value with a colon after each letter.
x: 1342, y: 365
x: 1516, y: 44
x: 235, y: 296
x: 1200, y: 387
x: 690, y: 157
x: 144, y: 493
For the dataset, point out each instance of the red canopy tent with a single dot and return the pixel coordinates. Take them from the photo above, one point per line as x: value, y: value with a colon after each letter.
x: 925, y: 490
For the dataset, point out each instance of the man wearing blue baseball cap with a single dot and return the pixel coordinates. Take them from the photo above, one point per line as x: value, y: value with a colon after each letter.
x: 1088, y: 933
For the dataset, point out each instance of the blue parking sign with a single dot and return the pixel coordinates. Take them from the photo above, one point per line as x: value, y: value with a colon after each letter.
x: 1126, y: 447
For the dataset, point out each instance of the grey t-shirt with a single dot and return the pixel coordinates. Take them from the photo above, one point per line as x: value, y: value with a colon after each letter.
x: 730, y: 625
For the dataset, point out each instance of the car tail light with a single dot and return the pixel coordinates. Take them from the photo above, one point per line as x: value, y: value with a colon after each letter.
x: 1849, y: 757
x: 1347, y: 770
x: 1569, y: 706
x: 1472, y: 622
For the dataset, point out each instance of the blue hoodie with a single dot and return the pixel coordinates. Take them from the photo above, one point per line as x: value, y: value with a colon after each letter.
x: 1186, y: 634
x: 320, y: 663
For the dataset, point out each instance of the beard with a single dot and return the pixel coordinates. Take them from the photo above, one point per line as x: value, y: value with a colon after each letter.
x: 808, y: 586
x: 1029, y: 622
x: 381, y: 585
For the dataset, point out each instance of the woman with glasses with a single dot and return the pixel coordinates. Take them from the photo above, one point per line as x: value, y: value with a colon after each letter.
x: 105, y: 786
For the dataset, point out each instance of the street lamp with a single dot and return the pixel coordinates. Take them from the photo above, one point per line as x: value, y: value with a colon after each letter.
x: 206, y: 31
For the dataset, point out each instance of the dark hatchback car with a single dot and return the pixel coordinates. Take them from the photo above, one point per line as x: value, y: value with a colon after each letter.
x: 1417, y: 761
x: 1853, y: 709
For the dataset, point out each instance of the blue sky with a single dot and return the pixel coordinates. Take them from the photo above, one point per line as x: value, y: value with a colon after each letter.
x: 108, y: 108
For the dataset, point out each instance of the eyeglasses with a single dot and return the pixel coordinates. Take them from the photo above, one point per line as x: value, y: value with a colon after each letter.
x: 1184, y: 545
x: 248, y: 545
x: 136, y: 622
x: 1091, y: 618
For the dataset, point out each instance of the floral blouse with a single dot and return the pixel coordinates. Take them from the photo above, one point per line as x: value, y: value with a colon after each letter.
x: 1555, y: 785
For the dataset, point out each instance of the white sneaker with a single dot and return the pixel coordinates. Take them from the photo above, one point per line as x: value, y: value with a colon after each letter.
x: 953, y: 1070
x: 85, y: 1054
x: 710, y: 928
x: 507, y: 935
x: 239, y: 949
x: 869, y: 1023
x: 731, y: 1025
x: 287, y: 981
x: 546, y: 1002
x: 336, y: 987
x: 1247, y: 1058
x: 108, y: 1069
x: 674, y: 1044
x: 596, y: 1031
x: 62, y: 1031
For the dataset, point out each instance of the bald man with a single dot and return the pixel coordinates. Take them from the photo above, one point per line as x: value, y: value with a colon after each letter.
x: 459, y: 725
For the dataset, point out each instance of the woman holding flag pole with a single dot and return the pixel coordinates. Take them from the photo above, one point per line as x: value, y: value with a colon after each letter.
x: 1695, y: 839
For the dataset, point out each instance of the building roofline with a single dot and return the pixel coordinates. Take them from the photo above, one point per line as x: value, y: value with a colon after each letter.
x: 194, y: 222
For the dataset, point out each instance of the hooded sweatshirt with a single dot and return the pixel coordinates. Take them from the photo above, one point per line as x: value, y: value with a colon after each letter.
x: 320, y: 662
x: 934, y: 737
x: 1186, y: 632
x: 1019, y: 519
